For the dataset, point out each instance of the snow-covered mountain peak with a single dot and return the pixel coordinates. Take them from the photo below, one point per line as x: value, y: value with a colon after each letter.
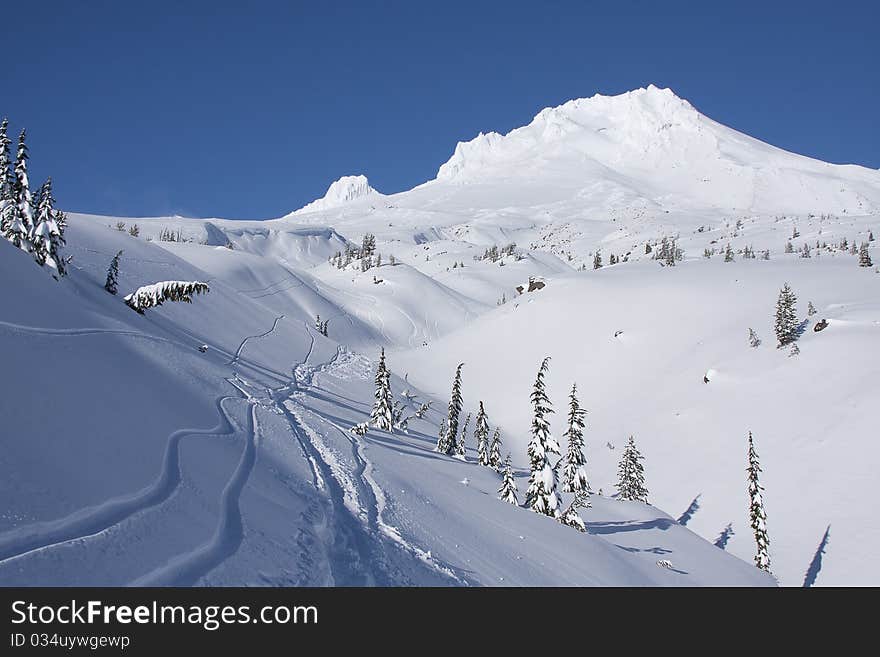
x: 343, y: 191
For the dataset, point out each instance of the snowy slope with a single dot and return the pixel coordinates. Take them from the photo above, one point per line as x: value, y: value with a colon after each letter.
x: 236, y: 466
x: 163, y: 465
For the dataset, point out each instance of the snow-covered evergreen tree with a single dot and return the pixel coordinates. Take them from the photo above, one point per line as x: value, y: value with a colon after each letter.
x: 811, y: 309
x: 789, y: 247
x: 461, y: 443
x: 786, y: 318
x: 757, y: 515
x: 446, y: 443
x: 728, y: 254
x: 571, y: 517
x: 542, y: 496
x: 507, y: 492
x: 318, y: 323
x: 495, y: 450
x: 481, y: 433
x: 754, y: 340
x: 631, y: 474
x: 20, y: 225
x: 382, y: 413
x: 47, y: 239
x: 150, y: 296
x: 864, y: 256
x: 112, y: 282
x: 597, y: 261
x: 574, y: 473
x: 6, y: 179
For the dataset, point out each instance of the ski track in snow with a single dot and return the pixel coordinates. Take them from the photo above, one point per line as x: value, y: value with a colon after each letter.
x: 91, y: 521
x: 253, y: 337
x: 186, y: 569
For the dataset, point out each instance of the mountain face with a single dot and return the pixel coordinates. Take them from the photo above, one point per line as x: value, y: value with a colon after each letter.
x: 243, y: 467
x: 653, y: 146
x: 345, y: 190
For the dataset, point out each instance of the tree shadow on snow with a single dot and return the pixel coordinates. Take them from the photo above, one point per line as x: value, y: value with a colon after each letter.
x: 724, y: 536
x: 816, y: 563
x: 614, y: 527
x: 685, y: 517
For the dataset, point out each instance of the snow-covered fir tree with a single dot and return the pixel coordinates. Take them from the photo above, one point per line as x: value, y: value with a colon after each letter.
x: 864, y: 256
x: 481, y: 434
x: 382, y: 413
x: 507, y: 492
x: 811, y: 309
x: 542, y: 495
x: 728, y: 254
x: 597, y: 261
x: 47, y: 237
x: 318, y: 323
x: 574, y: 472
x: 461, y: 443
x: 6, y: 179
x: 757, y: 515
x: 155, y: 294
x: 785, y: 324
x: 570, y: 516
x: 789, y: 247
x: 754, y: 340
x: 631, y: 474
x: 446, y: 443
x: 495, y: 450
x: 112, y: 282
x: 21, y: 224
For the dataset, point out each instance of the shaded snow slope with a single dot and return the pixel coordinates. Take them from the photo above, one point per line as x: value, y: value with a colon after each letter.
x: 811, y: 414
x: 160, y: 464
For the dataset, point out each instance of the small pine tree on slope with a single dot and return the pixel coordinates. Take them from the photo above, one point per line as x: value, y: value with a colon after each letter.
x: 785, y: 323
x: 574, y: 474
x: 481, y: 433
x: 507, y: 492
x: 21, y: 224
x: 382, y: 414
x: 631, y: 475
x: 864, y: 256
x: 461, y: 443
x: 446, y: 442
x: 112, y: 282
x: 6, y: 179
x: 757, y: 515
x: 47, y: 239
x: 495, y: 450
x: 542, y: 496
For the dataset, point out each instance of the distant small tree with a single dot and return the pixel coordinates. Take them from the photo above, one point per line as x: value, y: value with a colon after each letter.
x: 757, y: 515
x: 481, y: 433
x: 574, y: 473
x: 631, y: 475
x: 811, y: 309
x: 789, y: 247
x: 507, y: 492
x: 495, y: 450
x: 728, y: 254
x: 864, y: 256
x: 754, y: 340
x: 120, y: 226
x: 446, y: 443
x: 382, y: 413
x: 134, y: 231
x: 112, y: 282
x: 597, y: 261
x: 542, y: 496
x: 786, y: 319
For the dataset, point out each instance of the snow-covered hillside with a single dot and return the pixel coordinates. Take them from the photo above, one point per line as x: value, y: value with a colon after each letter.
x: 164, y: 463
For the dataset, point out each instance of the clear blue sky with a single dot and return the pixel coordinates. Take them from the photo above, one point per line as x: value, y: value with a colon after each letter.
x: 251, y: 109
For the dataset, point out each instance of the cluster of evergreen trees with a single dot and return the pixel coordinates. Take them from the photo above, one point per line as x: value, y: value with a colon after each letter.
x: 543, y: 495
x: 366, y: 255
x: 30, y: 222
x: 494, y: 254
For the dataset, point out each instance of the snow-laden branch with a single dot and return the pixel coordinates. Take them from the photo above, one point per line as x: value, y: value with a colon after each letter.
x: 156, y: 294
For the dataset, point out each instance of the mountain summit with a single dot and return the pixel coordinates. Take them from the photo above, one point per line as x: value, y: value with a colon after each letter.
x: 649, y: 144
x: 343, y: 191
